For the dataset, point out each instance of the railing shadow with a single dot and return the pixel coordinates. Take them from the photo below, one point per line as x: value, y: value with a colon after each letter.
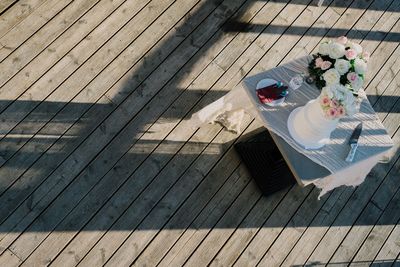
x: 143, y: 148
x: 81, y: 195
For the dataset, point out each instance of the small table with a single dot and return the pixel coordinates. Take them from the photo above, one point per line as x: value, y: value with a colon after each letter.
x: 303, y: 169
x: 325, y: 167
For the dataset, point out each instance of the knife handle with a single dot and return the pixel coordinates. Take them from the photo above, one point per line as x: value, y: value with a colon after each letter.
x: 352, y: 152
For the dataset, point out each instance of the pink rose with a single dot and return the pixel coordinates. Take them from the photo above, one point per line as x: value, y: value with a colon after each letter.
x: 342, y: 40
x: 352, y: 76
x: 331, y: 113
x: 351, y: 54
x: 325, y: 101
x: 326, y: 65
x: 318, y: 62
x: 340, y: 111
x: 365, y: 55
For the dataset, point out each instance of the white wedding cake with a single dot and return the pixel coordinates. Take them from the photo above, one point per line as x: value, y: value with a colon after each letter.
x: 309, y: 127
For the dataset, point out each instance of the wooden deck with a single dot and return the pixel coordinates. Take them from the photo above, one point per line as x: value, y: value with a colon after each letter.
x: 99, y: 163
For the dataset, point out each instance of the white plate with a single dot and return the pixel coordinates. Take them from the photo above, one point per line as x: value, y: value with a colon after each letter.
x: 268, y: 82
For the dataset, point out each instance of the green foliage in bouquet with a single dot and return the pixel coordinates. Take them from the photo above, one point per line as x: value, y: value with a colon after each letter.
x: 316, y: 73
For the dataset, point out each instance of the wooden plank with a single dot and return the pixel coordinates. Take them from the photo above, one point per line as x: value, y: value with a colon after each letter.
x: 387, y: 101
x: 383, y: 56
x: 356, y: 236
x: 48, y: 160
x: 9, y: 259
x: 183, y: 9
x: 159, y: 215
x: 277, y: 252
x: 379, y: 201
x: 229, y: 54
x: 276, y: 52
x: 162, y: 241
x: 379, y: 233
x: 130, y: 217
x: 378, y: 33
x: 120, y: 115
x: 247, y: 35
x: 193, y: 218
x: 384, y: 77
x: 282, y: 246
x: 224, y: 227
x: 271, y: 63
x: 45, y: 190
x: 316, y: 230
x: 31, y: 99
x: 214, y: 209
x: 17, y: 13
x: 347, y: 20
x: 314, y: 233
x: 71, y: 89
x: 83, y: 40
x: 6, y: 4
x: 123, y: 200
x: 390, y: 251
x: 207, y: 77
x: 271, y: 228
x: 40, y: 40
x: 184, y: 102
x: 299, y: 252
x: 351, y: 211
x: 108, y: 185
x: 370, y: 215
x: 393, y: 119
x: 202, y: 226
x: 246, y: 230
x: 165, y: 179
x: 28, y: 27
x: 35, y: 121
x: 105, y: 98
x: 201, y: 85
x: 239, y: 240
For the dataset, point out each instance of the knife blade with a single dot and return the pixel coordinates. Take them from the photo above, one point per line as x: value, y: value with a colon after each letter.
x: 353, y: 142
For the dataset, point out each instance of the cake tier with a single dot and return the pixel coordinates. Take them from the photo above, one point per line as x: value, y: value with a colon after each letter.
x: 309, y: 127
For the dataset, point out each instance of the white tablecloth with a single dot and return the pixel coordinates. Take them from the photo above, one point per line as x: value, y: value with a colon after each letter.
x: 374, y: 142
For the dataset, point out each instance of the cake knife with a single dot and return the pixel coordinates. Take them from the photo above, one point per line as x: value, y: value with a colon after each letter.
x: 353, y: 142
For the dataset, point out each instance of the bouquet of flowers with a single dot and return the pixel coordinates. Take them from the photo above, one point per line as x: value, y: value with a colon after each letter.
x: 337, y: 101
x: 338, y: 69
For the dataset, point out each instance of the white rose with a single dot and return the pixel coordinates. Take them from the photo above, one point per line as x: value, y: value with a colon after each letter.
x: 341, y: 88
x: 336, y: 50
x: 327, y: 90
x: 339, y: 95
x: 349, y: 102
x: 324, y: 49
x: 331, y: 76
x: 342, y: 66
x: 339, y: 91
x: 356, y: 47
x: 349, y: 98
x: 360, y: 66
x: 357, y: 84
